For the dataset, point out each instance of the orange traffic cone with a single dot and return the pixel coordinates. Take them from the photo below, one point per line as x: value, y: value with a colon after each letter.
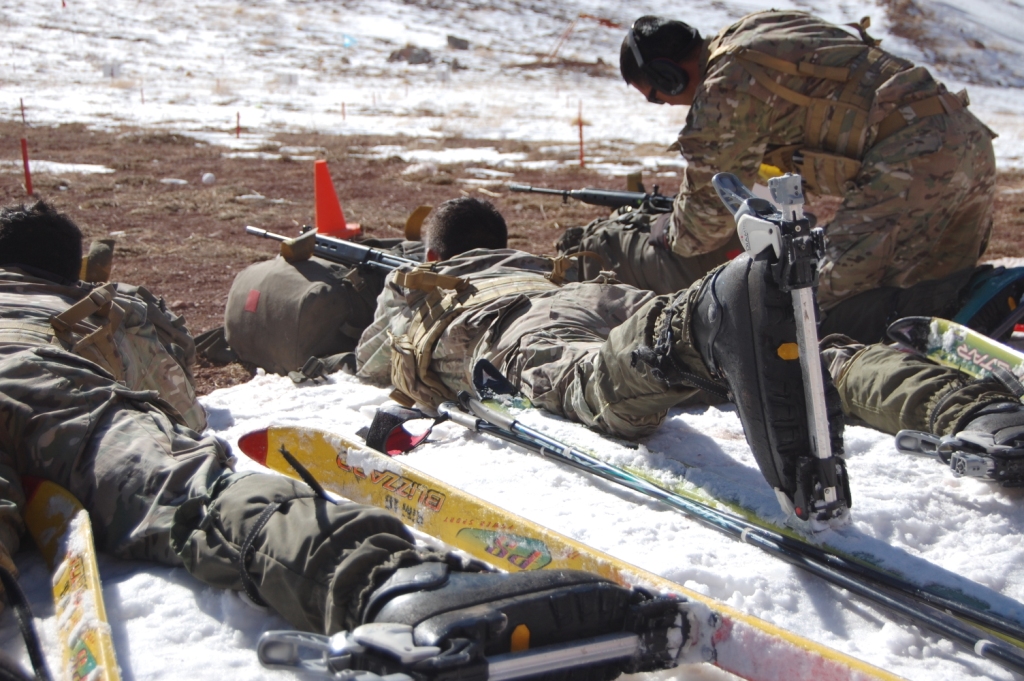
x: 329, y: 219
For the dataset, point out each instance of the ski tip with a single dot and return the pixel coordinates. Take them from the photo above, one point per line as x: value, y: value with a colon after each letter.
x: 254, y: 445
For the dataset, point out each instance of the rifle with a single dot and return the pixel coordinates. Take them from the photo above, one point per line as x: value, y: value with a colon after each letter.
x: 344, y: 252
x: 658, y: 203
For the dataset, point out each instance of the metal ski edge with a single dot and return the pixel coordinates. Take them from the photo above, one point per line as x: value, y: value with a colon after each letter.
x: 744, y: 645
x: 62, y: 530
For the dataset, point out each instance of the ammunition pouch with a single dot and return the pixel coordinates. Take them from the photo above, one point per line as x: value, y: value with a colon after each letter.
x: 842, y: 124
x: 824, y: 173
x: 446, y: 298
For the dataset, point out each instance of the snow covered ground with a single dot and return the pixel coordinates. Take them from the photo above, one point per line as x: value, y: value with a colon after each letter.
x: 914, y: 514
x: 298, y: 64
x: 192, y: 66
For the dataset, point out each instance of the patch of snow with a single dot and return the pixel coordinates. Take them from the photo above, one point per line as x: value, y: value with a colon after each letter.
x: 54, y: 167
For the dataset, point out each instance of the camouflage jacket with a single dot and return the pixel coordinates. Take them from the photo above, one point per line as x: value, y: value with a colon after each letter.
x: 410, y: 310
x: 125, y: 331
x: 738, y: 121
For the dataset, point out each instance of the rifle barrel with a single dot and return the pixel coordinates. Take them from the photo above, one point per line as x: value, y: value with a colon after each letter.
x: 608, y: 198
x: 345, y: 252
x: 256, y: 231
x: 537, y: 190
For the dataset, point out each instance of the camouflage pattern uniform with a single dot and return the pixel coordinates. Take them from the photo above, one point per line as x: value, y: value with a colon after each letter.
x: 568, y: 347
x: 892, y: 390
x: 625, y: 243
x: 577, y: 351
x: 915, y: 169
x: 156, y: 489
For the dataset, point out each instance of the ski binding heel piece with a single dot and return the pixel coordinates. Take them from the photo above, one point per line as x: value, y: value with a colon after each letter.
x: 816, y: 512
x: 969, y: 454
x: 822, y: 493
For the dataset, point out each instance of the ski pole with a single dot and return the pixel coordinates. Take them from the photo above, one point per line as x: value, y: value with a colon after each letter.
x: 1012, y: 632
x: 925, y: 615
x: 1009, y: 630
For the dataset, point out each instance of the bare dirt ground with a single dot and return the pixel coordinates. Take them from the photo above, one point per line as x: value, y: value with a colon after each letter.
x: 186, y: 242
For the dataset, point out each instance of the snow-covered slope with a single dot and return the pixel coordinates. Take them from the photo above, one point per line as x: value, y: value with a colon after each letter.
x: 192, y: 66
x: 287, y: 64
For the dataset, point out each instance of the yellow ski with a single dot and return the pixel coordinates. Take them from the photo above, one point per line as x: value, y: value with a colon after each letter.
x: 61, y: 528
x: 512, y: 543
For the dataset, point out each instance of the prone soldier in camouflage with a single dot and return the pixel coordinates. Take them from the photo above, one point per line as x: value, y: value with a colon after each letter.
x: 617, y: 358
x: 96, y: 395
x: 913, y: 167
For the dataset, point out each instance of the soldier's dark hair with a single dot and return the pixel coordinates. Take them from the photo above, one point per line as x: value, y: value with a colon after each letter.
x: 657, y: 38
x: 462, y: 224
x: 41, y: 237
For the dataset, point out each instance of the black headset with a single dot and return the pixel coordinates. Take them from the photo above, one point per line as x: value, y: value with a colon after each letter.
x: 662, y: 73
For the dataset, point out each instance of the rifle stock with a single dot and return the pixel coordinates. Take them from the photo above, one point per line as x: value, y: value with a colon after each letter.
x: 345, y: 252
x: 659, y: 203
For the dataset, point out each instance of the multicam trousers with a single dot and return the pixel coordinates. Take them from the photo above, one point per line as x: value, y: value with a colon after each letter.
x: 576, y: 352
x: 159, y: 491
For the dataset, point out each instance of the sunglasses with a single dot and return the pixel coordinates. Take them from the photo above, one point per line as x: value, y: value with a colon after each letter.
x: 652, y: 96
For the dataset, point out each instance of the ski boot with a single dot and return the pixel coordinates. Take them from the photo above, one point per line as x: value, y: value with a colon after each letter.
x: 990, y: 446
x: 744, y: 329
x: 428, y: 623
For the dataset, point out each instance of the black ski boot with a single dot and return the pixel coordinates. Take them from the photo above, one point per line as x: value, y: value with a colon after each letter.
x: 744, y: 329
x: 991, y: 445
x: 432, y: 624
x: 976, y: 427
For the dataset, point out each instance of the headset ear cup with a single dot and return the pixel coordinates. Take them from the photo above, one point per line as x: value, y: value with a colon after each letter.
x: 666, y: 76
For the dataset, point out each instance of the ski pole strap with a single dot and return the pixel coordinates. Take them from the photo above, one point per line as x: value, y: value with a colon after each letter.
x: 19, y: 604
x: 489, y: 381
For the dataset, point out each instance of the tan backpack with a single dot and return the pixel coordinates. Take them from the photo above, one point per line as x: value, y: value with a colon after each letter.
x: 130, y: 333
